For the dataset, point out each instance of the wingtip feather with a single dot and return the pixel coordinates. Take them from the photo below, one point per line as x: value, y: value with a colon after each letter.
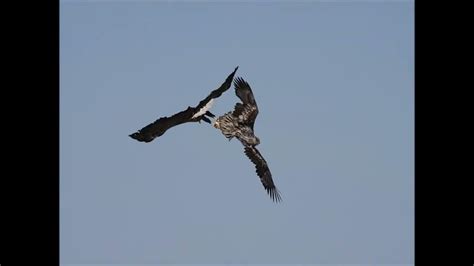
x: 274, y: 194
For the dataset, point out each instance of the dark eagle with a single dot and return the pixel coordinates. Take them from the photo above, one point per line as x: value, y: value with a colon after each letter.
x: 239, y: 124
x: 191, y: 114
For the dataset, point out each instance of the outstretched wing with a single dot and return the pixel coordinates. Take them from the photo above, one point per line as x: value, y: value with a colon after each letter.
x: 206, y: 104
x: 159, y: 127
x: 243, y: 91
x: 263, y: 172
x: 248, y: 111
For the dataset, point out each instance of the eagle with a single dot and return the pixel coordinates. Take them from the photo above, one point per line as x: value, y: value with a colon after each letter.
x: 239, y: 124
x: 191, y: 114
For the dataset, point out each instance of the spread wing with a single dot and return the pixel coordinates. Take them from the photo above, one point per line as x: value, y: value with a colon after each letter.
x: 191, y: 114
x: 243, y: 91
x: 159, y: 127
x: 206, y: 104
x: 263, y: 172
x: 248, y: 111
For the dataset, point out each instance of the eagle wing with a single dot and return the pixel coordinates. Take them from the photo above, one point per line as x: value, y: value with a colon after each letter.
x: 263, y: 172
x: 244, y: 92
x: 205, y: 104
x: 160, y: 126
x: 246, y: 111
x: 245, y: 114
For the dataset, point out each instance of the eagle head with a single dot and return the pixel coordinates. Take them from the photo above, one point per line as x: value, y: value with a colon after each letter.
x: 216, y: 124
x: 255, y: 141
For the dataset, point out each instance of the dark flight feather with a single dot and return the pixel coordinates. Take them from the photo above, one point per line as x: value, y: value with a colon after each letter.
x: 161, y: 125
x: 263, y: 172
x: 243, y: 91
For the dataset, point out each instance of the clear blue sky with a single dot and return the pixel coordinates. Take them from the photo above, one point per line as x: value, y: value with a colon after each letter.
x: 334, y: 85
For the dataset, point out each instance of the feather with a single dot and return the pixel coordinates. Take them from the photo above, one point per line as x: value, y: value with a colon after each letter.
x: 263, y: 172
x: 191, y: 114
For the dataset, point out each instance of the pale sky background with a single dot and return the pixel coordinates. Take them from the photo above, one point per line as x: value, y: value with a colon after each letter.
x: 334, y: 85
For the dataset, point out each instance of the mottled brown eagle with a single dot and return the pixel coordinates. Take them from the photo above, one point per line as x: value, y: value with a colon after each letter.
x: 239, y: 124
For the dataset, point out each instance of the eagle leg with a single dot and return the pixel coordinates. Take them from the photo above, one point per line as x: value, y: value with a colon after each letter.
x: 210, y: 114
x: 205, y: 119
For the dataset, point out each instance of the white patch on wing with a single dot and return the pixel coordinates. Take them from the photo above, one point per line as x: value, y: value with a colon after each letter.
x: 204, y: 109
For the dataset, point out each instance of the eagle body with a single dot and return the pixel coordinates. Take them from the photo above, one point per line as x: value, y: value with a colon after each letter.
x: 232, y: 126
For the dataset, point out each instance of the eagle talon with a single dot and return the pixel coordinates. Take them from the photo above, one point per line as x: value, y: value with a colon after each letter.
x: 208, y: 113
